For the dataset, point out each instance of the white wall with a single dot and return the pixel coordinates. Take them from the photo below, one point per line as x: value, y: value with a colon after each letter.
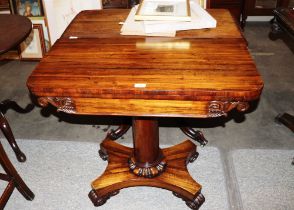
x: 259, y: 18
x: 60, y: 13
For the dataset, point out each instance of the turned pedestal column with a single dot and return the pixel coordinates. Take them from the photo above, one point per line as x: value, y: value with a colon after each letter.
x: 147, y: 160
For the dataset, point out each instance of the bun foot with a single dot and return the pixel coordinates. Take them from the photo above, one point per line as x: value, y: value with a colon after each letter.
x: 196, y: 202
x: 193, y: 204
x: 100, y: 200
x: 193, y: 157
x: 103, y: 154
x: 177, y: 195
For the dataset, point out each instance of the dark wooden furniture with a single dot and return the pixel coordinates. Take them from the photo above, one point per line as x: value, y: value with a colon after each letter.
x: 234, y: 6
x: 11, y: 176
x: 283, y: 23
x: 14, y: 29
x: 261, y: 8
x: 287, y: 120
x: 123, y: 4
x: 199, y: 73
x: 4, y: 5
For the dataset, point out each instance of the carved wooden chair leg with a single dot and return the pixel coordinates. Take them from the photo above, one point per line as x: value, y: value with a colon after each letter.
x: 286, y: 119
x: 4, y: 126
x: 6, y: 104
x: 14, y: 180
x: 119, y: 132
x: 113, y: 135
x: 195, y: 135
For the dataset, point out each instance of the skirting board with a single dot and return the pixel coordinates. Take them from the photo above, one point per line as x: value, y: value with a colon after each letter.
x: 259, y: 18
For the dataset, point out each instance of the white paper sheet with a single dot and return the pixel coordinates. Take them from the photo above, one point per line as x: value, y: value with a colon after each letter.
x: 132, y: 27
x: 200, y: 19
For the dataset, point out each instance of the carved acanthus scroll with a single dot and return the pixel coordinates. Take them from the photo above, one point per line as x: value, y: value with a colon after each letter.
x: 220, y: 108
x: 65, y: 104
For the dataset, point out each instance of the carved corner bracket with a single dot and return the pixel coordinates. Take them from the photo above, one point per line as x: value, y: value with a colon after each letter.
x: 65, y: 104
x: 221, y: 108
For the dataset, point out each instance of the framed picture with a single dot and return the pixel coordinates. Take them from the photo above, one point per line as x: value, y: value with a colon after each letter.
x: 176, y: 10
x: 42, y: 21
x: 29, y: 8
x: 33, y: 48
x: 4, y: 6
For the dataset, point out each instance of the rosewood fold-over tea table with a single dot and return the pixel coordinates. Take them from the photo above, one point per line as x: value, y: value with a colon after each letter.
x: 93, y: 70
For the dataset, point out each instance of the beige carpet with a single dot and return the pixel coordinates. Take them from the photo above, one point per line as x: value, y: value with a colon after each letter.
x: 265, y: 178
x: 59, y: 173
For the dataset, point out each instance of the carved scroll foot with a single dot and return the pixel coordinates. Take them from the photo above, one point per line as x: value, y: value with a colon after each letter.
x: 119, y: 132
x: 193, y: 157
x: 195, y: 203
x: 100, y: 200
x: 103, y: 154
x: 195, y: 135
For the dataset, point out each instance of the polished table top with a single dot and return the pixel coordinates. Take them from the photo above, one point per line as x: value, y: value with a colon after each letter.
x: 13, y: 30
x: 92, y: 69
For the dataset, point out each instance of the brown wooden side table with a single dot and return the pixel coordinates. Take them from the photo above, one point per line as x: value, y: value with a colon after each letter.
x: 93, y: 70
x: 14, y: 29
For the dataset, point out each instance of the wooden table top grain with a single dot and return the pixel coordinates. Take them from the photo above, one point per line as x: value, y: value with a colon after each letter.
x: 198, y: 73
